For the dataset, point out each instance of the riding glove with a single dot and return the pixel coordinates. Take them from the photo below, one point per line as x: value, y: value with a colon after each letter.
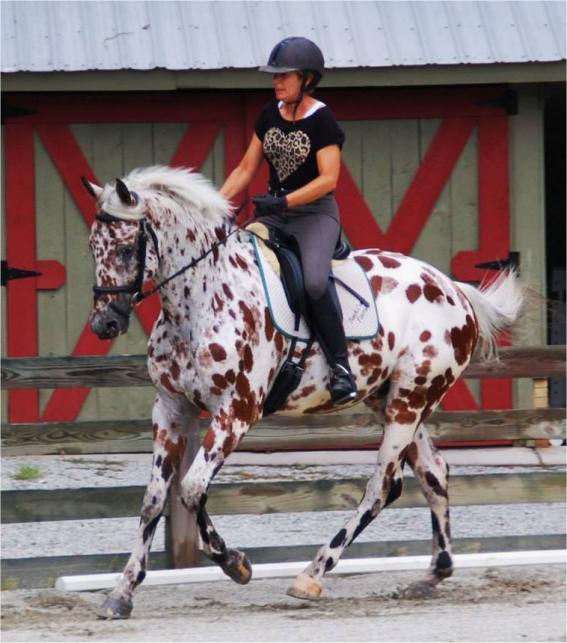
x: 268, y: 204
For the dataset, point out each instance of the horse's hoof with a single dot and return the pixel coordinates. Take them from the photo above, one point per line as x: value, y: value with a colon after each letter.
x: 306, y: 588
x: 238, y: 567
x: 115, y: 608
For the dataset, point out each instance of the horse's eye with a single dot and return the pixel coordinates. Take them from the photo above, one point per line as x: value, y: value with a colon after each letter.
x: 125, y: 252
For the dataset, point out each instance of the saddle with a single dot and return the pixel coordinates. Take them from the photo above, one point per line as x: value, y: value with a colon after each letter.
x: 282, y: 278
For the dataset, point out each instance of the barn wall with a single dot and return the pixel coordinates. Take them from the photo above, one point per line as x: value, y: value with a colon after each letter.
x: 382, y: 157
x: 528, y: 219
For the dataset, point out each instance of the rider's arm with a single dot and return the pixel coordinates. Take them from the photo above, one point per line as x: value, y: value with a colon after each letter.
x: 329, y: 166
x: 240, y: 177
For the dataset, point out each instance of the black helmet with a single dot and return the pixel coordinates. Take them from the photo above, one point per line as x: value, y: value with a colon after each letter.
x: 296, y: 54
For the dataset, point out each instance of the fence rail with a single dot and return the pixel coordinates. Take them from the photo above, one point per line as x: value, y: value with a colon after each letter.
x: 130, y: 370
x: 278, y: 497
x: 344, y: 431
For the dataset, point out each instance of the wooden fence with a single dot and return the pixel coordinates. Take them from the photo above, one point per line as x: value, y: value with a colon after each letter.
x: 273, y: 434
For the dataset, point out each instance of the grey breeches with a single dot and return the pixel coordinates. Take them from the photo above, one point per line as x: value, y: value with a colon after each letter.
x: 315, y: 227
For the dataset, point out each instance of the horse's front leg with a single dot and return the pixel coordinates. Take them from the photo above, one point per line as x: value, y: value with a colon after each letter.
x: 169, y: 417
x: 220, y: 440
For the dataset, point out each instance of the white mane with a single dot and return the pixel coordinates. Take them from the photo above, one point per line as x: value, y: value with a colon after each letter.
x: 207, y: 206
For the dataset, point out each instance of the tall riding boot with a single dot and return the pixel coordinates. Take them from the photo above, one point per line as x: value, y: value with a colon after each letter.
x: 331, y: 335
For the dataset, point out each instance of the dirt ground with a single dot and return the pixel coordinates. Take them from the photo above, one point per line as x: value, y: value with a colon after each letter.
x: 504, y: 604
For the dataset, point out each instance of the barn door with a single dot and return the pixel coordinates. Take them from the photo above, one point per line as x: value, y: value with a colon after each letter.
x: 424, y: 173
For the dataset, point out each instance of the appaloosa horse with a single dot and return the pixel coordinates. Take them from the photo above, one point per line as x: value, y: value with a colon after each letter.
x: 214, y: 347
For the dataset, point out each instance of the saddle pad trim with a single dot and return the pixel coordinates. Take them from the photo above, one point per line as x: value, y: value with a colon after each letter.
x: 297, y: 336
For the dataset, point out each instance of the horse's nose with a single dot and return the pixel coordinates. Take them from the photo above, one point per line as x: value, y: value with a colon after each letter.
x: 106, y: 326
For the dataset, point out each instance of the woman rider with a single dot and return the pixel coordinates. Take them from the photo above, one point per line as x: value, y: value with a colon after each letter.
x: 301, y: 140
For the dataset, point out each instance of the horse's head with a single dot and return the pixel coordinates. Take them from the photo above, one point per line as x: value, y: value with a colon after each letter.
x: 123, y: 257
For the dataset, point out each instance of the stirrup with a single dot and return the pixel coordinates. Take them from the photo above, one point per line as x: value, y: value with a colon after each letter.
x: 343, y: 387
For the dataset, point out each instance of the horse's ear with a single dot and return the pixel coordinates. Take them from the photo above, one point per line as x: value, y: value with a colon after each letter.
x: 94, y: 190
x: 124, y: 193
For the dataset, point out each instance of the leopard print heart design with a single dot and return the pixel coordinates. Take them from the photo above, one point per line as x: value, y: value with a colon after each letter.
x: 286, y: 152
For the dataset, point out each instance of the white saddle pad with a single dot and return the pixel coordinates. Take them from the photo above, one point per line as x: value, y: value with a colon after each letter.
x: 360, y: 319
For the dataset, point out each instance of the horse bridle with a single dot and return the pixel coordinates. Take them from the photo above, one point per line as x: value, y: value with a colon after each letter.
x: 147, y: 232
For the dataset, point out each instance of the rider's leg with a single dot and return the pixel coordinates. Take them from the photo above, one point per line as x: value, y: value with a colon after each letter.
x: 331, y: 336
x: 316, y: 235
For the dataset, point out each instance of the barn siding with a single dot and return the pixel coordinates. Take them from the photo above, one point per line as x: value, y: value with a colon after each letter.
x: 528, y: 221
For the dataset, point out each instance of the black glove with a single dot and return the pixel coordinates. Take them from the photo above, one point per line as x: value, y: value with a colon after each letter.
x: 268, y: 204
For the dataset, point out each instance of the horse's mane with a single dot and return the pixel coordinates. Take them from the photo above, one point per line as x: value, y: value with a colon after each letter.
x: 186, y: 188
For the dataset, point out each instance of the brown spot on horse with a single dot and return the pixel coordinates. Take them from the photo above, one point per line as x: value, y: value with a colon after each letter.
x: 391, y: 340
x: 463, y: 340
x: 248, y: 316
x: 268, y: 324
x: 218, y: 353
x: 365, y: 262
x: 433, y: 294
x: 413, y: 292
x: 389, y: 262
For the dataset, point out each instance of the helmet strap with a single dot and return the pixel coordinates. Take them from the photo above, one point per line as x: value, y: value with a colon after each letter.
x: 299, y: 100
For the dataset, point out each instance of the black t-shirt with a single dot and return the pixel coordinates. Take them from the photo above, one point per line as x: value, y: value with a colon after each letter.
x: 291, y: 148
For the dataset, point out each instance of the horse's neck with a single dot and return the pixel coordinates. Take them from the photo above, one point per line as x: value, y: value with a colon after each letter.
x: 190, y: 295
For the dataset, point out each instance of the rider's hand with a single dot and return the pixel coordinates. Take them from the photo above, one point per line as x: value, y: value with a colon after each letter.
x: 268, y: 204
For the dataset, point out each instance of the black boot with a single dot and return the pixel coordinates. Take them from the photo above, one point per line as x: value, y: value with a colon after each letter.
x: 328, y: 328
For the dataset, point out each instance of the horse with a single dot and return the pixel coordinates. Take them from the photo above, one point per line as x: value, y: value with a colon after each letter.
x: 215, y: 348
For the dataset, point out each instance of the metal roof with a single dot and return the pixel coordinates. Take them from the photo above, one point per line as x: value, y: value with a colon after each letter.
x: 48, y: 36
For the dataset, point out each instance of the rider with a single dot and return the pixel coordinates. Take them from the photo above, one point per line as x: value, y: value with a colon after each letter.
x: 301, y: 140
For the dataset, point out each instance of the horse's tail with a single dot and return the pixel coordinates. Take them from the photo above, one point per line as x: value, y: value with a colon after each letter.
x: 497, y: 306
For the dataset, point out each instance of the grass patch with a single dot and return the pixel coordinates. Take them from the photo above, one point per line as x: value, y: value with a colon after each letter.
x: 27, y: 472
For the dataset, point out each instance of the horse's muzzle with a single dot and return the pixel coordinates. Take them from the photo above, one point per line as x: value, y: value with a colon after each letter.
x: 110, y: 322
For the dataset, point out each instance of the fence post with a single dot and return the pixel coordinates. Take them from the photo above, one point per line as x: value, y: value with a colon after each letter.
x: 181, y: 534
x: 540, y: 401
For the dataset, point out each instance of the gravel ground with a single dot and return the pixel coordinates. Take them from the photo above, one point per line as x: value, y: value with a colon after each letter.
x: 505, y: 604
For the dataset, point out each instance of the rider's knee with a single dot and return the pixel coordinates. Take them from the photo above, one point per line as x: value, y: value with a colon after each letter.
x: 316, y: 287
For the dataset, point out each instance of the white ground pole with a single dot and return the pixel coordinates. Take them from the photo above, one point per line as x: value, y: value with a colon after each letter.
x: 91, y: 582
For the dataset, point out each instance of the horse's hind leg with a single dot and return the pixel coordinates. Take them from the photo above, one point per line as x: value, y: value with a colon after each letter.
x: 168, y: 449
x: 383, y: 488
x: 432, y: 473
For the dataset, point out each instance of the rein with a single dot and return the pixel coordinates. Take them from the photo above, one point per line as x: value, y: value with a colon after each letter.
x: 135, y: 289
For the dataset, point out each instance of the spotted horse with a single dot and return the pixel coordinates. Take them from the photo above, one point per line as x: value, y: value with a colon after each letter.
x: 214, y: 347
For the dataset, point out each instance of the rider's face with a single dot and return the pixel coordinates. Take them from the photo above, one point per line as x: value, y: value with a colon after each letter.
x: 287, y: 86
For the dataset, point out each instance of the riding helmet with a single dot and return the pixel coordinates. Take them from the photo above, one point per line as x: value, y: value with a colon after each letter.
x: 296, y: 54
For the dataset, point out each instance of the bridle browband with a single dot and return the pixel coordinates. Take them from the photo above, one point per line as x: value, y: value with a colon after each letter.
x: 146, y: 231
